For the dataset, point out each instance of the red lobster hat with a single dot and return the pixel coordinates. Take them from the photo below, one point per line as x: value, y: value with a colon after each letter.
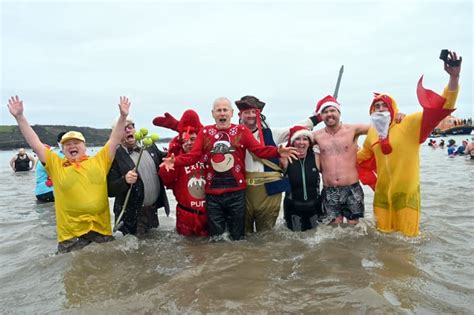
x: 188, y: 124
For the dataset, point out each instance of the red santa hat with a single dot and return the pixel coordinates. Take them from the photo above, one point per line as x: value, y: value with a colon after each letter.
x: 298, y: 131
x: 326, y: 102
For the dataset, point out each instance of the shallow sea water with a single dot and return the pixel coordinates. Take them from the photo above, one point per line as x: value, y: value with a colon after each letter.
x: 330, y: 270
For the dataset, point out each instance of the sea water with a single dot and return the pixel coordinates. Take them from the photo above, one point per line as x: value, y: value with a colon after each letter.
x: 328, y: 270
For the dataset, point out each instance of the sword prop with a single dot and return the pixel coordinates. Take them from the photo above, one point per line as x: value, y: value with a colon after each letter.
x: 338, y: 84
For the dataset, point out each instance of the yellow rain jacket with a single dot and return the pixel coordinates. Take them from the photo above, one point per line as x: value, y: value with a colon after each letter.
x: 397, y: 189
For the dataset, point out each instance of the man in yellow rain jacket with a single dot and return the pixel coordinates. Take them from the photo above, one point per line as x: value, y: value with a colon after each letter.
x: 396, y: 148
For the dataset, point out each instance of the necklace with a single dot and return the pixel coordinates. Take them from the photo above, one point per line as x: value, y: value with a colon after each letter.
x: 332, y: 133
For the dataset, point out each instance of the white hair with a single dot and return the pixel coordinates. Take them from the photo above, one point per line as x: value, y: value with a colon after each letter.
x: 128, y: 119
x: 221, y: 99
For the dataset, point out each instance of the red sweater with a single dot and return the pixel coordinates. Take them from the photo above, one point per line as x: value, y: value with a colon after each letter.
x: 223, y: 153
x: 187, y: 183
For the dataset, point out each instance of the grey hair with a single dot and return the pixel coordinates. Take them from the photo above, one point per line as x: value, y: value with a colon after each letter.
x: 128, y: 119
x: 220, y: 99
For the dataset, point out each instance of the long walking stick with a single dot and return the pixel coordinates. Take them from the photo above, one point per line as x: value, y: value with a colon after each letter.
x: 119, y: 224
x: 140, y: 136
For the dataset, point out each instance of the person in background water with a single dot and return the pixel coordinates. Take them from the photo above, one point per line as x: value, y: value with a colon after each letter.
x: 265, y: 180
x: 432, y: 143
x: 396, y: 151
x: 222, y: 146
x: 470, y: 148
x: 452, y: 147
x: 461, y: 149
x: 21, y: 162
x: 44, y: 184
x: 148, y: 193
x: 302, y: 204
x: 81, y: 202
x: 187, y: 182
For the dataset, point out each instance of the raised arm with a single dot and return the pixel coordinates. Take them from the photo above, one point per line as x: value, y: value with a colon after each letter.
x: 117, y: 131
x: 15, y: 106
x: 453, y: 71
x: 280, y: 135
x: 436, y: 107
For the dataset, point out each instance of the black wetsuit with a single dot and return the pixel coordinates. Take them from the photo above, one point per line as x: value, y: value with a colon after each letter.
x: 22, y: 165
x: 302, y: 206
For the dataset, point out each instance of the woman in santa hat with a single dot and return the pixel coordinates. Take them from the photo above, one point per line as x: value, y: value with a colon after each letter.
x: 302, y: 205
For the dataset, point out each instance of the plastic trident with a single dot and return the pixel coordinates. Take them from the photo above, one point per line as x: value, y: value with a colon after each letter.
x: 143, y: 141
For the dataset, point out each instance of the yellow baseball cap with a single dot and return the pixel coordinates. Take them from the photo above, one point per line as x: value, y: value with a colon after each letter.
x: 72, y: 135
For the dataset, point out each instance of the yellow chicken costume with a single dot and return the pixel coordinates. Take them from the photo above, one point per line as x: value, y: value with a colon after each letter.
x: 397, y: 159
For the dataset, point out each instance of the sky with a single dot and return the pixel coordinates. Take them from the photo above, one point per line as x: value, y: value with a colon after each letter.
x: 70, y: 61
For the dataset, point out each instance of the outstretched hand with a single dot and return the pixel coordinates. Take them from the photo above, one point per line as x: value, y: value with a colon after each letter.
x: 15, y: 106
x: 287, y: 152
x: 453, y: 71
x: 124, y: 106
x: 168, y: 163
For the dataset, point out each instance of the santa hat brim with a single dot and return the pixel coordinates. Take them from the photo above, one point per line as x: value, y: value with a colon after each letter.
x: 299, y: 133
x: 329, y: 104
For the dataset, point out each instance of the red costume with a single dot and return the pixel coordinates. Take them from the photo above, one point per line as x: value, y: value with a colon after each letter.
x: 223, y: 152
x: 187, y: 182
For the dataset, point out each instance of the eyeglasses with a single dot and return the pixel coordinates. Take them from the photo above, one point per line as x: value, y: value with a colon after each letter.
x: 130, y: 126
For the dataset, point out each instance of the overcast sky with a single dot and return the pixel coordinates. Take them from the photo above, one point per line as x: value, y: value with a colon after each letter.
x: 70, y: 61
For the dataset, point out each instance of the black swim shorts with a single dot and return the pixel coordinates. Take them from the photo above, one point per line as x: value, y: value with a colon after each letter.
x: 346, y: 201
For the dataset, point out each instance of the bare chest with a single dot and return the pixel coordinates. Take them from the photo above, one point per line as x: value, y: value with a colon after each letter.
x: 341, y: 143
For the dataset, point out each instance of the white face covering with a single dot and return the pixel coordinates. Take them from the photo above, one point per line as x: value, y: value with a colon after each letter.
x: 381, y: 122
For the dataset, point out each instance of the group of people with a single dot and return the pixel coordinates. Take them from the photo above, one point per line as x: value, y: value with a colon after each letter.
x: 465, y: 148
x: 231, y: 177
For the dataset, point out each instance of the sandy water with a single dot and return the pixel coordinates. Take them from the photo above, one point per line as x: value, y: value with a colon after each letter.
x: 331, y: 270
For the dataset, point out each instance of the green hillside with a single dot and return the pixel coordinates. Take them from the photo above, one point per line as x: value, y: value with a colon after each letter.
x: 11, y: 138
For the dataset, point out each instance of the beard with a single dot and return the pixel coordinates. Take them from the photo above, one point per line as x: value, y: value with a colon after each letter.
x: 381, y: 123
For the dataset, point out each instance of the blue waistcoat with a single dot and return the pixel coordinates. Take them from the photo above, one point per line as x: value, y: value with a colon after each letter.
x: 278, y: 186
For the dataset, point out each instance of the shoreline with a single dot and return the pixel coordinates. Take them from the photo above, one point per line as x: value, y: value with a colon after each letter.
x: 12, y: 139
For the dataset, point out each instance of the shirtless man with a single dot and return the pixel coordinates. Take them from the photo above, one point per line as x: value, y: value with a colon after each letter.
x: 342, y: 196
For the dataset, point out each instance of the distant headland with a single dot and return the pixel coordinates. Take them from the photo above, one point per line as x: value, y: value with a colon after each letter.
x: 11, y: 138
